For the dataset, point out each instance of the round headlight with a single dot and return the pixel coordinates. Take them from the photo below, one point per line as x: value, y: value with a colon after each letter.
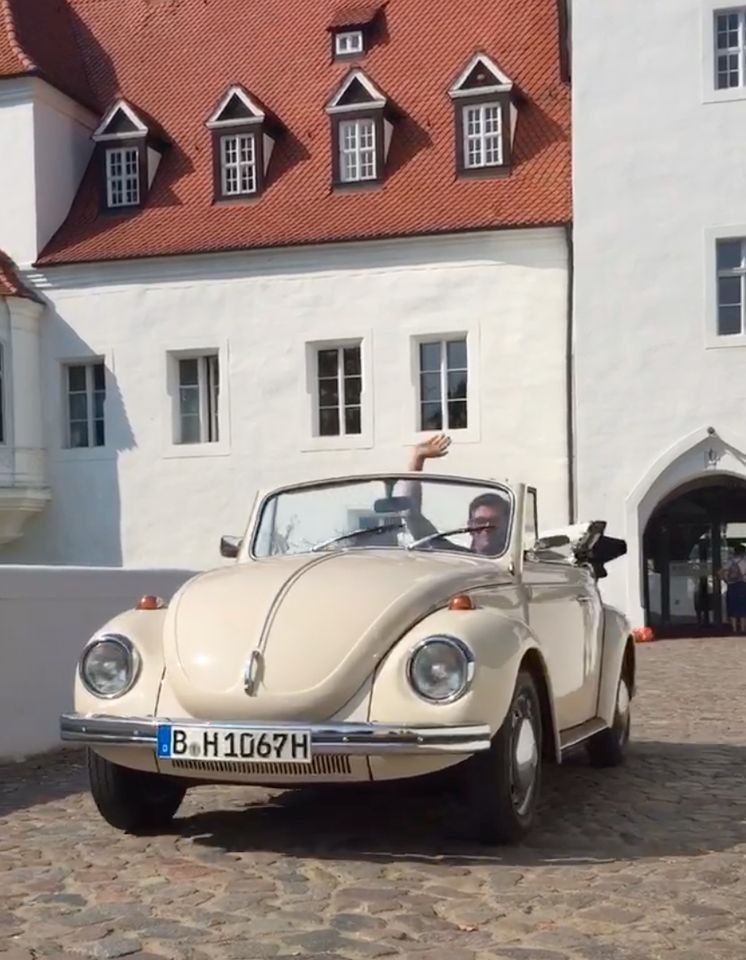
x: 441, y: 669
x: 109, y: 666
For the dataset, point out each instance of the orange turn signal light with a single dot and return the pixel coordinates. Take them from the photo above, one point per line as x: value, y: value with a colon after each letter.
x: 461, y: 602
x: 150, y: 602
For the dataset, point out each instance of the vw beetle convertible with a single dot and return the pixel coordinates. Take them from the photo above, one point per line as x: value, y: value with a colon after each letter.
x: 371, y: 628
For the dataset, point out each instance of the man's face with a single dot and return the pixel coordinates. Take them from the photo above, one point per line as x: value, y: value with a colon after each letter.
x: 486, y: 540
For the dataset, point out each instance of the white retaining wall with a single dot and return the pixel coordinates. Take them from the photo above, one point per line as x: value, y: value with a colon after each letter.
x: 46, y: 616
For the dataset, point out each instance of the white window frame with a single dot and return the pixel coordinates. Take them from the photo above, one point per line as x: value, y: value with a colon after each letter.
x: 348, y: 43
x: 714, y: 339
x: 358, y: 153
x: 208, y: 392
x: 739, y: 50
x: 342, y: 405
x: 90, y: 394
x: 483, y: 140
x: 122, y: 189
x: 239, y: 167
x: 443, y: 341
x: 308, y: 391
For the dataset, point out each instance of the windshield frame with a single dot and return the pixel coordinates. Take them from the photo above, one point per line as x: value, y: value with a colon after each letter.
x: 354, y: 479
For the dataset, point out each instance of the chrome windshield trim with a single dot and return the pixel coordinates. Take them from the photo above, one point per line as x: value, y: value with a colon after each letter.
x: 352, y: 739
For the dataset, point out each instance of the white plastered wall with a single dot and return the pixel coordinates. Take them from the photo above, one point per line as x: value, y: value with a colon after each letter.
x: 145, y: 500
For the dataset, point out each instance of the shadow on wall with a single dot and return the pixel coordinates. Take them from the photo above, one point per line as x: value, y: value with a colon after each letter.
x: 82, y: 523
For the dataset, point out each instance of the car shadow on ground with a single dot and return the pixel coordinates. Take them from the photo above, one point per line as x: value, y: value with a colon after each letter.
x: 670, y: 799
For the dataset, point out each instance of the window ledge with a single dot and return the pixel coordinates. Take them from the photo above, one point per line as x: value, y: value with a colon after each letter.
x: 316, y: 444
x: 469, y: 435
x: 85, y: 453
x: 191, y: 451
x: 724, y: 96
x: 715, y: 342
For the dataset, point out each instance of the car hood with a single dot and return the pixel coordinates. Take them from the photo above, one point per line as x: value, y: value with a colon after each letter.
x: 321, y: 623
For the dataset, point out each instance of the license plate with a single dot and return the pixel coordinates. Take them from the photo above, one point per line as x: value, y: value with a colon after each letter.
x: 233, y: 743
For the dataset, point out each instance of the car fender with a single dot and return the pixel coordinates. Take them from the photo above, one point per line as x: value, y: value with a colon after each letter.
x: 145, y: 629
x: 618, y: 644
x: 500, y: 644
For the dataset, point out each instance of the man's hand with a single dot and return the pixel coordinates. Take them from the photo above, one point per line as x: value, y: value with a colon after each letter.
x: 430, y: 449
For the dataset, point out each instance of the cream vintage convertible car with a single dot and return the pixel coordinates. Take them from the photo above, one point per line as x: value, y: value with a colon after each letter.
x: 372, y: 628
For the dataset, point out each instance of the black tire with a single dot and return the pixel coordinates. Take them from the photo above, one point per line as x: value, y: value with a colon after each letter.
x: 132, y: 800
x: 608, y: 748
x: 502, y: 801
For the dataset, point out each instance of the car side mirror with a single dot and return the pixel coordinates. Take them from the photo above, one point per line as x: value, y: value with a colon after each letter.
x: 230, y: 546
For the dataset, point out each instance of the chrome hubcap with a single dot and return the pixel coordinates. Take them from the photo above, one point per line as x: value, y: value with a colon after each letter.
x: 525, y: 756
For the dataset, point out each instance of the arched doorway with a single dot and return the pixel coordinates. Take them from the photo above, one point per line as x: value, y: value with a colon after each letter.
x: 688, y: 539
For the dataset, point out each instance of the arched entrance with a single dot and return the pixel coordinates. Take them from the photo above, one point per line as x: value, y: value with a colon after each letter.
x: 688, y: 539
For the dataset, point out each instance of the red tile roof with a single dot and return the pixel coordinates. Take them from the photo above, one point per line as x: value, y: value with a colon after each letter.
x: 175, y: 58
x: 37, y: 38
x: 355, y: 14
x: 11, y: 284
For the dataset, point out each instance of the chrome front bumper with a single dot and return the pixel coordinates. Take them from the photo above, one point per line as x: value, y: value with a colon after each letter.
x: 351, y: 739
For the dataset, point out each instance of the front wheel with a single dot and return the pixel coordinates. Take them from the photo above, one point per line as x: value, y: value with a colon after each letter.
x: 132, y: 800
x: 607, y: 748
x: 505, y: 780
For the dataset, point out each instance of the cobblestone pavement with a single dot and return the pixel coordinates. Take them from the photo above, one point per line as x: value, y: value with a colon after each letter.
x: 646, y: 861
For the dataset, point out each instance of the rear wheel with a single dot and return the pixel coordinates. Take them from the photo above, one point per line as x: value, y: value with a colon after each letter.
x: 607, y: 748
x: 505, y: 780
x: 132, y: 800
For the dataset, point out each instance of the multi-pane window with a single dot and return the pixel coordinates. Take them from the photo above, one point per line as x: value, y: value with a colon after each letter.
x: 85, y: 384
x: 199, y: 390
x: 731, y: 281
x: 2, y: 396
x: 730, y: 48
x: 348, y: 42
x: 340, y: 385
x: 357, y: 150
x: 123, y: 177
x: 483, y: 137
x: 443, y: 384
x: 238, y: 164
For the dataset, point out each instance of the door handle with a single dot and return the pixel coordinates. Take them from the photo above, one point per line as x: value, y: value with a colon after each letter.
x: 584, y: 599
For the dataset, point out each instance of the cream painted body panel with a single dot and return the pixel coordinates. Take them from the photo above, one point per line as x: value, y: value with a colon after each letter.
x: 616, y: 643
x: 564, y: 612
x: 322, y: 623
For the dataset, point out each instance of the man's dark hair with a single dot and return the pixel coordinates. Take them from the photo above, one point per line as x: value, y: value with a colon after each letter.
x: 493, y: 500
x: 739, y: 550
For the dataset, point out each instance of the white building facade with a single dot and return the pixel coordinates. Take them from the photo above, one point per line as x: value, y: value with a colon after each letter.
x: 155, y: 390
x: 659, y: 119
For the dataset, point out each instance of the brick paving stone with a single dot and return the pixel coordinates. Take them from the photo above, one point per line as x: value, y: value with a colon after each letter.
x: 644, y: 862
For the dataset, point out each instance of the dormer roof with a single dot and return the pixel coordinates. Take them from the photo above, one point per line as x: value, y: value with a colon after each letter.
x: 481, y: 75
x: 124, y: 121
x: 356, y: 90
x: 350, y: 15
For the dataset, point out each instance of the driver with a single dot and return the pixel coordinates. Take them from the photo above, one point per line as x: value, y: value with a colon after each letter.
x: 488, y: 511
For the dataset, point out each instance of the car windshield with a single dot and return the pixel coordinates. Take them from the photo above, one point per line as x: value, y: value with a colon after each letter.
x: 396, y: 512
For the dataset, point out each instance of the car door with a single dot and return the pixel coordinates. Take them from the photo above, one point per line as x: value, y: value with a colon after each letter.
x: 564, y: 613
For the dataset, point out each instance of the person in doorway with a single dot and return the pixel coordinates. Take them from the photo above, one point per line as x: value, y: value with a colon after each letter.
x: 734, y: 575
x: 488, y: 513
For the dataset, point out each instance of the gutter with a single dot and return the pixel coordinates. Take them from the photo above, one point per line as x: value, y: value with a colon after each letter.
x: 570, y: 376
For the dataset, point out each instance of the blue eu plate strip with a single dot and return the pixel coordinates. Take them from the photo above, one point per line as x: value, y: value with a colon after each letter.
x: 164, y: 741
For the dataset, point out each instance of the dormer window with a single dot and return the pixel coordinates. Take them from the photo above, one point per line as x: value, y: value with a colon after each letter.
x: 361, y: 127
x: 485, y: 119
x: 243, y: 138
x: 348, y: 43
x: 130, y: 149
x: 122, y: 177
x: 355, y: 27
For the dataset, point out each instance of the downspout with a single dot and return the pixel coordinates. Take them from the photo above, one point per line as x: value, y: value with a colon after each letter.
x: 570, y: 375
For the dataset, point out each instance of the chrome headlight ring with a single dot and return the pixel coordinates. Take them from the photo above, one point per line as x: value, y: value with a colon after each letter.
x: 467, y: 667
x: 120, y: 644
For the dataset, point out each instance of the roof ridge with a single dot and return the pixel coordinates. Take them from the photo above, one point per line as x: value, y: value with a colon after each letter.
x: 6, y: 10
